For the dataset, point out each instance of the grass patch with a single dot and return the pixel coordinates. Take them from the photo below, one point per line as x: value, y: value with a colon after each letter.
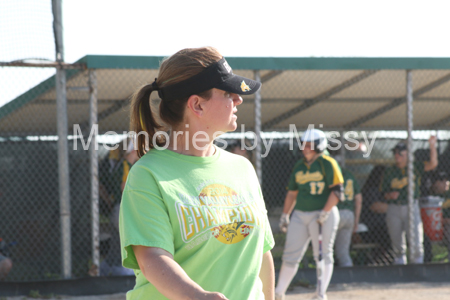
x: 36, y: 295
x: 440, y: 253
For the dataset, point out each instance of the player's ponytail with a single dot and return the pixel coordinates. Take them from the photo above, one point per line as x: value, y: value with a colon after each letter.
x: 142, y: 120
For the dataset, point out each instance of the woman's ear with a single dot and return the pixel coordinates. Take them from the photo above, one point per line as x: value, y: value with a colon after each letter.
x: 195, y: 105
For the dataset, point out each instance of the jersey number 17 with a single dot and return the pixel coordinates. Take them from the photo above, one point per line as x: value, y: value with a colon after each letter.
x: 317, y: 187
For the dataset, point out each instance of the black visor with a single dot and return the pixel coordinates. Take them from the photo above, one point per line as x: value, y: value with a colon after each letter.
x: 219, y: 75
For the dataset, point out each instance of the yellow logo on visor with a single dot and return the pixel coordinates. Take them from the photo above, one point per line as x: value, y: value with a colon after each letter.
x: 245, y: 87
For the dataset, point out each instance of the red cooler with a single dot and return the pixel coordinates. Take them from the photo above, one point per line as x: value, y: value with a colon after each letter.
x: 431, y: 213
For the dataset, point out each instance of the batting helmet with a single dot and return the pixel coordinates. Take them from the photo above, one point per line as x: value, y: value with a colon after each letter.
x: 317, y: 137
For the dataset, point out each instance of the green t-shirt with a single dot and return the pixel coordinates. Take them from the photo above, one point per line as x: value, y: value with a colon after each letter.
x: 396, y: 179
x: 351, y: 189
x: 208, y: 212
x: 313, y: 182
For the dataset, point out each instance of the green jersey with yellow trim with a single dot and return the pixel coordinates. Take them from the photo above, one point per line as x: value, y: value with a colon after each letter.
x: 351, y: 189
x: 313, y: 182
x: 395, y: 179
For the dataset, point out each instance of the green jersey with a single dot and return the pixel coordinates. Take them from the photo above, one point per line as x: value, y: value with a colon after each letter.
x: 351, y: 189
x: 313, y: 182
x: 208, y: 212
x: 396, y: 179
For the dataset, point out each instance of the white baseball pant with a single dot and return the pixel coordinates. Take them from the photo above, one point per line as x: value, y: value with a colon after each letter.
x: 397, y: 221
x: 303, y: 229
x: 344, y: 237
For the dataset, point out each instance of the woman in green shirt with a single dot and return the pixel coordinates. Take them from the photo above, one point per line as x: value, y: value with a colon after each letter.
x: 193, y: 222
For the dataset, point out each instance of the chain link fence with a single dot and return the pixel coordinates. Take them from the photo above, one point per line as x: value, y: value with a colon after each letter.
x: 362, y: 107
x: 30, y: 213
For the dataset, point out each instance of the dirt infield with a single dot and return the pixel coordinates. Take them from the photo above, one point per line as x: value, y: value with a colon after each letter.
x: 368, y: 291
x: 365, y: 291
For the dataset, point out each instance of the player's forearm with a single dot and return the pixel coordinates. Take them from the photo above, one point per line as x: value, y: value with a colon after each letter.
x: 391, y: 195
x: 267, y: 276
x: 332, y: 201
x: 289, y: 202
x: 379, y: 207
x: 165, y: 274
x: 433, y: 163
x: 358, y: 207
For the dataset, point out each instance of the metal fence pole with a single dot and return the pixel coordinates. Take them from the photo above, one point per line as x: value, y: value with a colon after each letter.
x: 63, y: 151
x: 93, y: 159
x: 342, y: 150
x: 63, y: 168
x: 258, y: 164
x: 409, y: 116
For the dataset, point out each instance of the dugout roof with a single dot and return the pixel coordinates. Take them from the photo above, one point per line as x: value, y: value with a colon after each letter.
x: 341, y: 93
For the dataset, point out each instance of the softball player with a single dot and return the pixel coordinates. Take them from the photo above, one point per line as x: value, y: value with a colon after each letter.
x: 394, y: 187
x: 349, y: 213
x: 315, y: 187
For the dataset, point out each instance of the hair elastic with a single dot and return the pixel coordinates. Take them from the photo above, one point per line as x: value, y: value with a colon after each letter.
x: 155, y: 85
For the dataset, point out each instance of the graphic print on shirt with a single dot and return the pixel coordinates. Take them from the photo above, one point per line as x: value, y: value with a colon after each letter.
x: 219, y: 212
x: 302, y: 178
x: 399, y: 184
x: 231, y: 233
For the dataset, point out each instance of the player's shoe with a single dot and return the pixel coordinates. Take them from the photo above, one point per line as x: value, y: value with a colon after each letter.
x: 400, y: 260
x: 317, y: 297
x: 418, y: 260
x: 280, y: 297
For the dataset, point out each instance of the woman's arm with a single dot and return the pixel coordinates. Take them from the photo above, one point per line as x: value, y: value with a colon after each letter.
x: 161, y: 270
x: 358, y: 206
x: 332, y: 201
x: 379, y: 207
x: 289, y: 202
x: 391, y: 195
x: 267, y: 276
x: 433, y: 163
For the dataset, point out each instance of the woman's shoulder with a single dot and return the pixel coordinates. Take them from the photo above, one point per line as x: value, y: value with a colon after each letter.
x: 152, y: 160
x: 328, y: 161
x: 228, y: 157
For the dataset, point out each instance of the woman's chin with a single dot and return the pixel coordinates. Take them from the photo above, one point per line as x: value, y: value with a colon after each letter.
x: 232, y: 127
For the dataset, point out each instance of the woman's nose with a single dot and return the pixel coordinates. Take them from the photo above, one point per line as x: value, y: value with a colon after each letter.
x: 237, y: 99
